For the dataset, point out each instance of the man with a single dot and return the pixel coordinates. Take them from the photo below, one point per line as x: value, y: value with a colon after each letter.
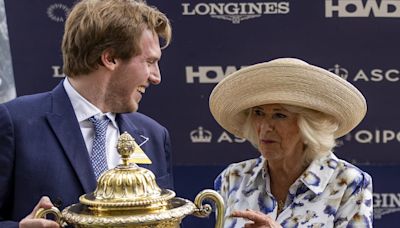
x: 111, y: 51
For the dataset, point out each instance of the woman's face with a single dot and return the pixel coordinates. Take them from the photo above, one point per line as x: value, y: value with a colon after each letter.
x: 278, y: 132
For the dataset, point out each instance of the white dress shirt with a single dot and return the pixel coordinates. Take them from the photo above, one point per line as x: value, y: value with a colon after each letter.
x: 84, y: 110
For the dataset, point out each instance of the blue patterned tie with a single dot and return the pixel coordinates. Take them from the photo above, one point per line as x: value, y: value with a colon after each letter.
x: 98, y: 156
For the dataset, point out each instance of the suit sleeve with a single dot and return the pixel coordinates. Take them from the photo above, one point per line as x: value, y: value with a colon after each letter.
x: 7, y: 148
x: 168, y: 158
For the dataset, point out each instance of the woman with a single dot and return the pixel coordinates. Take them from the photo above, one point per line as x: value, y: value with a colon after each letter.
x: 292, y: 112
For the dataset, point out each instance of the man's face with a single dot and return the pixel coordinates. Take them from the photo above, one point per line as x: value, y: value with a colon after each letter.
x: 131, y: 77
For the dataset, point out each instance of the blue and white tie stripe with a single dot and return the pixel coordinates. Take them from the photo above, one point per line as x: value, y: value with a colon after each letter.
x: 98, y: 155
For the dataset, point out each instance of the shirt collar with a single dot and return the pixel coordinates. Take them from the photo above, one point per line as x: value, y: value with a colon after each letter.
x: 316, y: 176
x: 83, y: 108
x: 258, y: 170
x: 319, y: 172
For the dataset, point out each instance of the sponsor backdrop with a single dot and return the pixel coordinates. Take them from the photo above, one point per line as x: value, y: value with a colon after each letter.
x: 356, y: 39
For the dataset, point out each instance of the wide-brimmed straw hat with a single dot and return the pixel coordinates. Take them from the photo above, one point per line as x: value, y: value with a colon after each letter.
x: 286, y: 81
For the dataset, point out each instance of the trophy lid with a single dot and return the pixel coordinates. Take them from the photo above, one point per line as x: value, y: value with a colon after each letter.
x: 127, y: 194
x: 127, y: 185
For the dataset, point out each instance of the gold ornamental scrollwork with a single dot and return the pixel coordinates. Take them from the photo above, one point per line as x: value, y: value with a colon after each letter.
x: 204, y: 210
x: 128, y: 196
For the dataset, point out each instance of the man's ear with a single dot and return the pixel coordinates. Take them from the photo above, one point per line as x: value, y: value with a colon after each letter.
x: 107, y: 60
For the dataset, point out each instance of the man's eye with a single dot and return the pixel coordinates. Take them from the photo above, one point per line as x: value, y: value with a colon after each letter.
x: 151, y: 61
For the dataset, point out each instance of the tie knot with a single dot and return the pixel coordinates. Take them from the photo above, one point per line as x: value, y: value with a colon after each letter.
x: 100, y: 125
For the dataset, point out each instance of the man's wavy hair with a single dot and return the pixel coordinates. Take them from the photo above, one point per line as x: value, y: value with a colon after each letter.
x: 94, y: 26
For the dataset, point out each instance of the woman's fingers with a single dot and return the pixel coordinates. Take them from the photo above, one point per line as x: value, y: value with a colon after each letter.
x: 259, y: 220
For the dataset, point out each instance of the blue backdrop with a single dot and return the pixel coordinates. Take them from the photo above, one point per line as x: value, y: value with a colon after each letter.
x: 357, y: 39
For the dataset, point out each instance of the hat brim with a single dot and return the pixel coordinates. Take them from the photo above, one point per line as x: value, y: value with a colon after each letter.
x: 286, y: 81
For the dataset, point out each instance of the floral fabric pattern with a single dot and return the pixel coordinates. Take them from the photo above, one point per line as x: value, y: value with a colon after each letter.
x: 330, y: 193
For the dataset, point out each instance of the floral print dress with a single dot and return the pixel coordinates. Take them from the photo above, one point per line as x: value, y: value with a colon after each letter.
x: 330, y: 193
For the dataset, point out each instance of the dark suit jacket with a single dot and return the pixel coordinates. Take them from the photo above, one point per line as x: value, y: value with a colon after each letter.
x: 42, y: 152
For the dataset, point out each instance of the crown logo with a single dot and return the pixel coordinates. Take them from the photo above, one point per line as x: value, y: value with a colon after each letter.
x: 340, y: 71
x: 200, y: 135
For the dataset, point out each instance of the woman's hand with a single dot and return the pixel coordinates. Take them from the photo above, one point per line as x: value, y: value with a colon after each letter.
x: 259, y: 220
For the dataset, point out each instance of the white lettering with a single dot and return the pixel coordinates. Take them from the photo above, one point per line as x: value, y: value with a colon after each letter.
x: 376, y: 75
x: 394, y: 200
x: 243, y: 7
x: 202, y: 9
x: 329, y: 8
x: 388, y: 136
x: 231, y: 8
x: 361, y: 75
x: 186, y: 9
x: 378, y: 136
x: 356, y: 8
x: 386, y: 200
x: 216, y: 8
x: 224, y: 137
x: 392, y: 75
x: 376, y: 199
x: 283, y: 7
x: 364, y: 136
x: 208, y: 74
x: 258, y: 9
x: 57, y: 72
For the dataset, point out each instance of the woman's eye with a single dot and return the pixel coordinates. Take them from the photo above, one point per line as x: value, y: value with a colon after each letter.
x: 279, y: 116
x: 258, y: 112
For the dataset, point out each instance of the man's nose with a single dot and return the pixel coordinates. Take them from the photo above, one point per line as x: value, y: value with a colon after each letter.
x: 155, y: 75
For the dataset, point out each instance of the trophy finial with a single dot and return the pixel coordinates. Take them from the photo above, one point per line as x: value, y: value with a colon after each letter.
x: 125, y: 147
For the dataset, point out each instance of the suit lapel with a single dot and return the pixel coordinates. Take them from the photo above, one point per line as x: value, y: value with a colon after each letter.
x: 125, y: 124
x: 65, y: 126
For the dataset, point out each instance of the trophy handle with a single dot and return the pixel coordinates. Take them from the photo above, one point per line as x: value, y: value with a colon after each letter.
x: 42, y: 213
x: 205, y: 210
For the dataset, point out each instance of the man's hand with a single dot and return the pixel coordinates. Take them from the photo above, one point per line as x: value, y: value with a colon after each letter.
x: 259, y: 220
x: 31, y: 222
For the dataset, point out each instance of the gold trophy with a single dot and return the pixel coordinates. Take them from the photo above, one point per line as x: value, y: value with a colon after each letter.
x: 128, y: 196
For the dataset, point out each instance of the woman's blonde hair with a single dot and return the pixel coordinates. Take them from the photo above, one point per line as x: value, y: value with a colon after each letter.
x: 94, y: 26
x: 316, y: 128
